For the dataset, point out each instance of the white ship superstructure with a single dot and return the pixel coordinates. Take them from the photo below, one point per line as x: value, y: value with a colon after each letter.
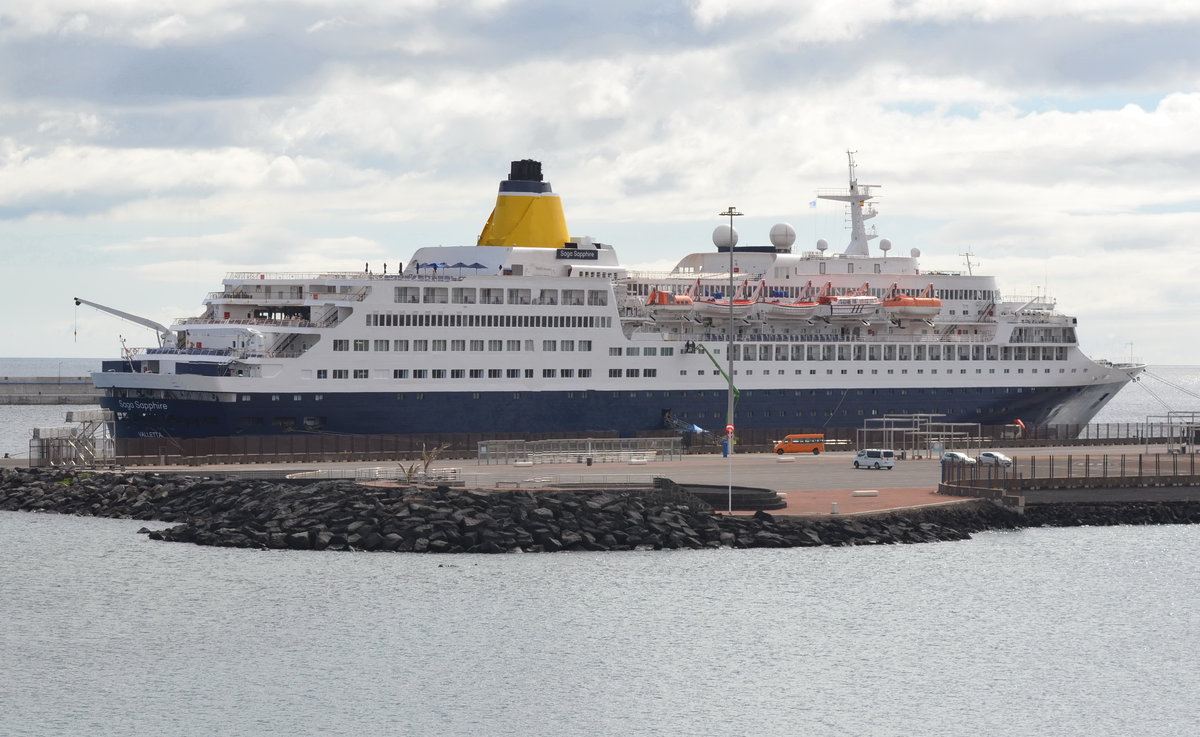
x: 532, y: 331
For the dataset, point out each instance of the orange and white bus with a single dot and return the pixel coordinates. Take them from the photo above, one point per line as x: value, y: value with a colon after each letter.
x: 802, y: 443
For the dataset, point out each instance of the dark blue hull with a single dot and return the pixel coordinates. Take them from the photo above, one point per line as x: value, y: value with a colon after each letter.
x: 624, y: 413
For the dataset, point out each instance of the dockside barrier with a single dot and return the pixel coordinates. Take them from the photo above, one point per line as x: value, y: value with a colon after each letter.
x: 1156, y: 477
x: 48, y: 390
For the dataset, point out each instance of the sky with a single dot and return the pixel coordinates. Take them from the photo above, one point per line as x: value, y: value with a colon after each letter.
x: 148, y: 147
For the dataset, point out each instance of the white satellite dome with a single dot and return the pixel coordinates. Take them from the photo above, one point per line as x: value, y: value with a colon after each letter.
x: 783, y: 235
x: 822, y: 244
x: 885, y: 245
x: 915, y: 253
x: 721, y: 236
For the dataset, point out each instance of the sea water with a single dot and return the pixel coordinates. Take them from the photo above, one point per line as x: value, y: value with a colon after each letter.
x: 1087, y: 631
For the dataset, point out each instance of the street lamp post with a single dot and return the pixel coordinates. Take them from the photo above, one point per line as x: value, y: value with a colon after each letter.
x: 731, y: 213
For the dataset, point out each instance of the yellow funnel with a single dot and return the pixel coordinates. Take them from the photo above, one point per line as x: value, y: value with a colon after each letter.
x: 527, y: 213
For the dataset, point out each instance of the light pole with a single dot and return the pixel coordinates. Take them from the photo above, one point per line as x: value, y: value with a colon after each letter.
x: 731, y: 213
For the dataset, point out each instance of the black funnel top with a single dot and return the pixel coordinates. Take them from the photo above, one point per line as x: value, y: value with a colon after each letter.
x: 526, y: 170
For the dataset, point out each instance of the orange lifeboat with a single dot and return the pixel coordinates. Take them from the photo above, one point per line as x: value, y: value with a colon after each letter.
x: 662, y: 302
x: 924, y: 306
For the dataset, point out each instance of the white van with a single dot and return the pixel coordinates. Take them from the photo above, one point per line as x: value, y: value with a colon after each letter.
x: 875, y: 458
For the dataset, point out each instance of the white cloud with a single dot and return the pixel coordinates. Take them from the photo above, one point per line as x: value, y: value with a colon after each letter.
x: 1036, y: 134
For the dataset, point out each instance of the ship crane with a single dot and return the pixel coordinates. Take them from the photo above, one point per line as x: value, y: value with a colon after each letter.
x: 166, y: 336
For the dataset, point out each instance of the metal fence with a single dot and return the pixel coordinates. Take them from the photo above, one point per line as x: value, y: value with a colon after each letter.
x: 1073, y: 470
x: 580, y: 450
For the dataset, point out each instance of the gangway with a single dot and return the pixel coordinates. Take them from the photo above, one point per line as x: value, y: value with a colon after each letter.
x: 86, y: 442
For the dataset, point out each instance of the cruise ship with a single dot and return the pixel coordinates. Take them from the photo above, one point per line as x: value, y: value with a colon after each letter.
x: 533, y: 331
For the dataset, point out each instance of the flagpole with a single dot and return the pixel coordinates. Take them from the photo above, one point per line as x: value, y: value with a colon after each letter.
x: 731, y: 212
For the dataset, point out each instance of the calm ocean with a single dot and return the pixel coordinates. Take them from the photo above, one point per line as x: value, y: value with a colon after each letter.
x: 1088, y: 631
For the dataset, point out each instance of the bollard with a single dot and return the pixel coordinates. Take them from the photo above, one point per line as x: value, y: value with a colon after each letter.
x: 833, y: 508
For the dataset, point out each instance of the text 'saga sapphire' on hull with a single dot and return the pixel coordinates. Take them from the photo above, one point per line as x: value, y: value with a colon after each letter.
x: 532, y: 330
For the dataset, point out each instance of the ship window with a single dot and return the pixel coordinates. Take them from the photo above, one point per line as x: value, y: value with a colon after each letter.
x: 650, y: 373
x: 585, y: 345
x: 341, y: 345
x: 341, y: 374
x: 614, y: 373
x: 513, y: 373
x: 495, y: 345
x: 360, y: 373
x: 399, y: 373
x: 439, y: 345
x: 585, y: 373
x: 477, y: 345
x: 420, y: 374
x: 382, y: 345
x: 549, y: 345
x: 528, y: 373
x: 614, y: 351
x: 568, y: 373
x: 361, y: 345
x: 322, y: 373
x: 549, y: 373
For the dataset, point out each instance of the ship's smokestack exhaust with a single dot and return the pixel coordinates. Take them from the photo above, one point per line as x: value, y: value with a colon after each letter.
x: 527, y: 214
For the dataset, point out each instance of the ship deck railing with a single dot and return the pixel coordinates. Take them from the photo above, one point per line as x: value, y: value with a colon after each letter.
x: 248, y: 321
x: 186, y: 351
x: 818, y: 338
x: 256, y: 276
x: 274, y: 299
x: 240, y: 353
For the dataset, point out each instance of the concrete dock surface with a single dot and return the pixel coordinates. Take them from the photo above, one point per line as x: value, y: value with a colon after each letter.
x: 810, y: 485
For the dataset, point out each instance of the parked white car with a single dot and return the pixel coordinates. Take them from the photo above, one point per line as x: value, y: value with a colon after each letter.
x: 875, y: 458
x: 992, y: 458
x: 952, y: 456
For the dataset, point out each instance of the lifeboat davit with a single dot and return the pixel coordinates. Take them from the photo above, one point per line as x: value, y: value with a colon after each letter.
x: 856, y: 305
x: 777, y: 306
x: 718, y: 308
x: 800, y: 310
x: 662, y: 302
x: 922, y: 307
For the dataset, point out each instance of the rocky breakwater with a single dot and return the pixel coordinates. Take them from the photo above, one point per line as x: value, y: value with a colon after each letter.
x: 337, y: 515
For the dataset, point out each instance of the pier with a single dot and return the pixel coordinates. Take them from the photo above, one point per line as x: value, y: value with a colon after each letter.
x: 48, y: 390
